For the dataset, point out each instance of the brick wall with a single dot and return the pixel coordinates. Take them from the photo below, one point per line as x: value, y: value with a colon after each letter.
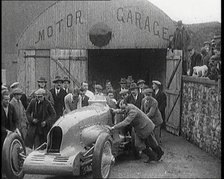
x: 201, y: 114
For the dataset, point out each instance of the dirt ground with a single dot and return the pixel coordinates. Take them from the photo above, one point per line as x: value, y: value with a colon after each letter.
x: 182, y: 159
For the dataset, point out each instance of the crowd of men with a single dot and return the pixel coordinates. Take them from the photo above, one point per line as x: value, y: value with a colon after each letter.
x: 206, y: 63
x: 32, y: 116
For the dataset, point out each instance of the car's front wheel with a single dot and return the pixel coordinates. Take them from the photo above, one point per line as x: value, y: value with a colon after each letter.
x: 13, y: 152
x: 103, y: 158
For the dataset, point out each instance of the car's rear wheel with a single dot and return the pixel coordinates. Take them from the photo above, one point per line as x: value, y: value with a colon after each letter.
x: 13, y: 152
x: 103, y: 158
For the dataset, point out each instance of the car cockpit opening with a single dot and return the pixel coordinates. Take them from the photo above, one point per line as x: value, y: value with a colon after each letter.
x: 55, y: 138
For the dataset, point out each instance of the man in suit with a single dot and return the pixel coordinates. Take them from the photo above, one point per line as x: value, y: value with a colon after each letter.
x: 135, y: 97
x: 122, y: 87
x: 85, y: 99
x: 143, y: 127
x: 66, y: 85
x: 160, y: 96
x: 58, y: 94
x: 88, y: 93
x: 41, y: 116
x: 150, y: 108
x: 9, y: 117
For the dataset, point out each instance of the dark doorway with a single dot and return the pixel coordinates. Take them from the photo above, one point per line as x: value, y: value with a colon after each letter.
x: 147, y: 64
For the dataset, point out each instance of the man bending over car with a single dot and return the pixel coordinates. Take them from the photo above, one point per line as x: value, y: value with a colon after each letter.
x: 143, y: 126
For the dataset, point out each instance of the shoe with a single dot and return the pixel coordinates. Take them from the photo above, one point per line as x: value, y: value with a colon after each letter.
x: 151, y: 154
x: 159, y: 153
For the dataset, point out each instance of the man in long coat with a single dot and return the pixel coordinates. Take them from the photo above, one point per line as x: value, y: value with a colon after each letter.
x: 150, y: 108
x: 22, y: 123
x: 58, y: 94
x: 41, y: 116
x: 143, y: 127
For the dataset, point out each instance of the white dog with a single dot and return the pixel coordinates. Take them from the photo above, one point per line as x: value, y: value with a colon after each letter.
x: 200, y: 71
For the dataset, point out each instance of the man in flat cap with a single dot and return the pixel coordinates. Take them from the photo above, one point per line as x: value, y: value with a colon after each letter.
x: 160, y: 96
x: 58, y: 94
x: 22, y: 122
x: 98, y: 90
x: 41, y: 116
x: 141, y: 84
x: 195, y: 59
x: 150, y: 108
x: 23, y: 97
x: 143, y: 127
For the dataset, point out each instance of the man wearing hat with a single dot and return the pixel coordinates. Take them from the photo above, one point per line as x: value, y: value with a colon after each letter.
x: 181, y: 41
x: 22, y: 122
x: 42, y: 84
x: 141, y: 84
x: 135, y: 97
x: 41, y: 116
x: 129, y: 81
x: 143, y: 130
x: 98, y: 90
x: 66, y: 85
x: 58, y: 94
x: 195, y: 59
x: 23, y: 97
x: 150, y: 108
x: 117, y: 95
x: 160, y: 96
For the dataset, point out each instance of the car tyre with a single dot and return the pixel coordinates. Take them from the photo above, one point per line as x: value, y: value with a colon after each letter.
x: 13, y: 145
x: 102, y: 156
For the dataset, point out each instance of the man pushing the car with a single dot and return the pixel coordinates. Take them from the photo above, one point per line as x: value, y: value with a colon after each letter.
x: 143, y: 126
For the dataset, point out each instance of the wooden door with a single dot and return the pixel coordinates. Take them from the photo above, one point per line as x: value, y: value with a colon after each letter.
x: 173, y: 90
x: 70, y: 63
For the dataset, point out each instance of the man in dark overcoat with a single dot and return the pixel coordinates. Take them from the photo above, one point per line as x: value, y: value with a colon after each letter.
x: 41, y: 116
x: 161, y: 98
x: 143, y: 127
x: 58, y: 94
x: 9, y: 117
x: 195, y: 59
x: 117, y: 95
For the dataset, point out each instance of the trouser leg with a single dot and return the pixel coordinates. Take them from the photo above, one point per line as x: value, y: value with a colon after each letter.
x: 157, y: 132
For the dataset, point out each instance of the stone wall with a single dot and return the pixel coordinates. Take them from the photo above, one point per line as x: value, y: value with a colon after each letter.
x: 201, y: 114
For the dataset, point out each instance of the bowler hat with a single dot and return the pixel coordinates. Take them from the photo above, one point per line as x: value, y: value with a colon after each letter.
x: 156, y: 82
x: 40, y: 92
x: 66, y: 79
x: 17, y: 91
x: 124, y: 91
x: 57, y: 78
x: 147, y: 91
x: 123, y: 81
x: 179, y: 23
x: 133, y: 86
x: 14, y: 85
x: 42, y: 79
x: 140, y: 81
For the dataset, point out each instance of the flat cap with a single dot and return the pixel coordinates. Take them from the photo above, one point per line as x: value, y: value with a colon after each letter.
x: 98, y: 87
x: 156, y: 82
x: 17, y: 91
x: 40, y: 92
x: 147, y: 91
x: 14, y: 85
x: 140, y: 81
x: 133, y: 86
x: 42, y: 79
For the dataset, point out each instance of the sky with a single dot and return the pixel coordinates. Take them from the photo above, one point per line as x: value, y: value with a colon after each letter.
x: 191, y: 11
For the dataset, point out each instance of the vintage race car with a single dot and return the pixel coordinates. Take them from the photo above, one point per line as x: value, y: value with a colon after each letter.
x: 78, y: 142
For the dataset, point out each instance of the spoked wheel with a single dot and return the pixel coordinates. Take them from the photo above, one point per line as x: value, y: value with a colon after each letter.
x: 13, y: 155
x: 103, y: 158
